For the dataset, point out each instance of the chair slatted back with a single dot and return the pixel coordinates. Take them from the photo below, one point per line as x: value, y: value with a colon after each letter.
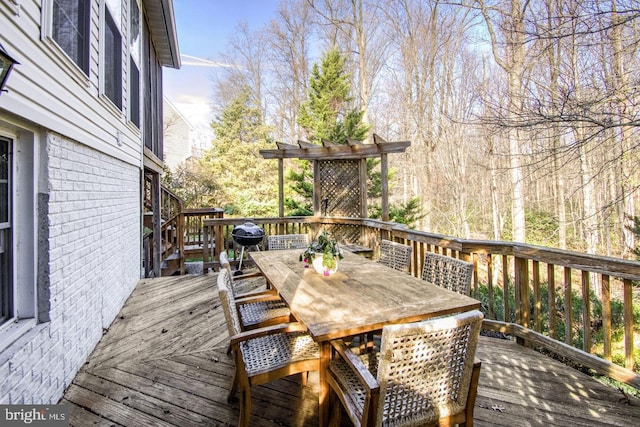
x: 395, y: 255
x: 425, y: 368
x: 447, y: 272
x: 225, y: 287
x: 287, y: 241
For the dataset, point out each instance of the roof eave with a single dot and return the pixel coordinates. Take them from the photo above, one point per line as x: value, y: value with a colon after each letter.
x: 162, y: 24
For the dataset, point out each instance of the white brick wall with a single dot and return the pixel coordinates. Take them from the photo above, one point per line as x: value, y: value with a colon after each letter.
x: 94, y: 262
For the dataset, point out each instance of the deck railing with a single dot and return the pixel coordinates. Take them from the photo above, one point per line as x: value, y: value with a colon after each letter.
x: 547, y: 298
x: 194, y: 228
x: 166, y: 252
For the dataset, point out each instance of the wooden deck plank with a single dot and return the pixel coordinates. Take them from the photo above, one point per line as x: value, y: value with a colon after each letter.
x: 78, y: 415
x: 186, y: 371
x: 165, y: 409
x: 108, y: 408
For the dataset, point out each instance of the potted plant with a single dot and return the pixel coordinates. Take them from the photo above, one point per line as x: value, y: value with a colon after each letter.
x: 328, y: 254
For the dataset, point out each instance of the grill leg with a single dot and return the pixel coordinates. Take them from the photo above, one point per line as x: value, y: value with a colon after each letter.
x: 241, y: 258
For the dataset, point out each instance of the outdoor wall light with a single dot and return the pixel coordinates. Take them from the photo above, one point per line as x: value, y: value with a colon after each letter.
x: 6, y: 64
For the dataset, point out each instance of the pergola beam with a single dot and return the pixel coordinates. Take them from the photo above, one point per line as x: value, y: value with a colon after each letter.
x: 350, y: 150
x: 332, y: 151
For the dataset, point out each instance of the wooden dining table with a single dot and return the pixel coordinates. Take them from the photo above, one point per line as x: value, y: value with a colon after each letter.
x: 361, y: 297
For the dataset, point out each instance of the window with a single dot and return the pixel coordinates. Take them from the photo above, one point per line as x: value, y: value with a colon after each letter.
x: 134, y: 61
x: 152, y: 89
x: 6, y: 285
x: 21, y: 302
x: 71, y: 29
x: 112, y: 60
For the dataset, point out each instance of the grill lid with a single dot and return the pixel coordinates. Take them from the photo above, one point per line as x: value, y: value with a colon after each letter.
x: 247, y: 234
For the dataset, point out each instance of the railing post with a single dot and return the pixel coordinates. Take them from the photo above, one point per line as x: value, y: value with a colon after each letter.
x: 490, y: 285
x: 551, y: 280
x: 586, y: 312
x: 505, y: 286
x: 606, y: 317
x: 205, y: 246
x: 568, y: 333
x: 521, y: 280
x: 536, y: 296
x: 628, y: 324
x: 180, y: 238
x: 217, y: 243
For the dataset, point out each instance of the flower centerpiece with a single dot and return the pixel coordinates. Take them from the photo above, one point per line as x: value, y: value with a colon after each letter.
x: 328, y: 254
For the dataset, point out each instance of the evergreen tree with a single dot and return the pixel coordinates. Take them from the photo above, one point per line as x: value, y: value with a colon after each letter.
x: 246, y: 183
x: 327, y: 113
x: 404, y: 213
x: 302, y: 188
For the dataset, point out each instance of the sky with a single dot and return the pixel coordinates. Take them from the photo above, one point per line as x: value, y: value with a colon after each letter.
x: 203, y: 28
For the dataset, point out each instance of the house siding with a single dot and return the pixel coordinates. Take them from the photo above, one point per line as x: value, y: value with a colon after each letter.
x: 93, y: 226
x: 177, y: 136
x: 49, y: 89
x: 76, y: 226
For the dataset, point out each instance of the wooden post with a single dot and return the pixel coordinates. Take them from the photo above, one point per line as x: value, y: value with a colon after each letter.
x: 537, y: 312
x: 181, y: 228
x: 205, y: 246
x: 551, y: 280
x: 568, y: 338
x: 490, y: 284
x: 627, y: 299
x: 317, y: 189
x: 157, y: 225
x: 505, y: 286
x: 363, y: 188
x: 606, y: 317
x: 522, y: 293
x: 281, y: 187
x: 586, y: 313
x: 384, y: 171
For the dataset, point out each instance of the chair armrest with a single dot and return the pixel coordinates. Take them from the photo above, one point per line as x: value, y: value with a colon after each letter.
x: 248, y: 299
x: 267, y: 330
x: 258, y: 293
x: 248, y: 275
x: 356, y: 365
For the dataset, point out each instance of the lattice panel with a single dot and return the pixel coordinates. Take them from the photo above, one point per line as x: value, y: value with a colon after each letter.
x: 344, y: 233
x: 339, y: 184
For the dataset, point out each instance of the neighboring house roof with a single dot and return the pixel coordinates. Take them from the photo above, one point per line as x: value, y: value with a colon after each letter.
x: 162, y: 24
x: 176, y: 111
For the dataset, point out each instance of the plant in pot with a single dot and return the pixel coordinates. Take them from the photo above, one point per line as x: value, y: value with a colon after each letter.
x: 323, y: 254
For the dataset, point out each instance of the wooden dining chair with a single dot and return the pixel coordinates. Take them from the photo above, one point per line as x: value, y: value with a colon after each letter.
x: 447, y: 272
x: 287, y: 241
x: 395, y: 255
x: 265, y: 354
x: 253, y: 283
x: 424, y: 374
x: 255, y: 309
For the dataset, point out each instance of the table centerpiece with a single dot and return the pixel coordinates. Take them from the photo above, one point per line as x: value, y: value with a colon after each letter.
x: 326, y: 263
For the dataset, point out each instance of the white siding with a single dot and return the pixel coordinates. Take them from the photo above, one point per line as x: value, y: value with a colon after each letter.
x: 47, y: 87
x: 85, y: 197
x: 94, y: 263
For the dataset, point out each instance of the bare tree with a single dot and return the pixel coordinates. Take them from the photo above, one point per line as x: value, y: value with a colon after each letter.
x: 353, y: 25
x: 510, y: 55
x: 289, y: 38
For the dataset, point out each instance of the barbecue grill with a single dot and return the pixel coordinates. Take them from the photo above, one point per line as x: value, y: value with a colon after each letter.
x: 246, y: 235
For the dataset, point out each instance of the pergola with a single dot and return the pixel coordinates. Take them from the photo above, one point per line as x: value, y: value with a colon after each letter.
x: 339, y: 174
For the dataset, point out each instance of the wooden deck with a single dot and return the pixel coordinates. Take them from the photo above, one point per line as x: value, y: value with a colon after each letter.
x: 163, y: 362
